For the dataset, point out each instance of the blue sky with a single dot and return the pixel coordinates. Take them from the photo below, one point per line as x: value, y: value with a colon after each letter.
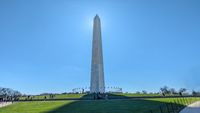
x: 45, y: 45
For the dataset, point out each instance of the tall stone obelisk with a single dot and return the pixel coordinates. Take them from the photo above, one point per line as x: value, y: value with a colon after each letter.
x: 97, y: 84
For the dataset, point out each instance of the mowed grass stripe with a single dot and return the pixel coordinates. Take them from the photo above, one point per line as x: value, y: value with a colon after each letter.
x: 88, y: 106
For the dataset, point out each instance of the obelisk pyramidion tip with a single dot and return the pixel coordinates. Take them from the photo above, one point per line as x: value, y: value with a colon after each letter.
x: 97, y: 16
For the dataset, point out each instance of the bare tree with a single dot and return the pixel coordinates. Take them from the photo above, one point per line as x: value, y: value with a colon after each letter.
x: 137, y: 92
x: 181, y: 91
x: 9, y: 93
x: 144, y: 92
x: 172, y: 91
x: 164, y: 90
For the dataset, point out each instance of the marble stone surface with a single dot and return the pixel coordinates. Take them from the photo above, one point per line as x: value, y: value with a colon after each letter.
x: 97, y: 84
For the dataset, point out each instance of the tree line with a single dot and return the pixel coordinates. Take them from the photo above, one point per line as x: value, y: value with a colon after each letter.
x: 9, y: 94
x: 167, y: 91
x: 171, y: 91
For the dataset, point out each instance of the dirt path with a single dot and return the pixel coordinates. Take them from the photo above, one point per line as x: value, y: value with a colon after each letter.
x: 2, y: 104
x: 192, y: 108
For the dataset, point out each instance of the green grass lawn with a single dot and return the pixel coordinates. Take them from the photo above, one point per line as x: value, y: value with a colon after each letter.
x: 58, y: 96
x: 88, y: 106
x: 67, y: 96
x: 136, y: 95
x: 87, y: 96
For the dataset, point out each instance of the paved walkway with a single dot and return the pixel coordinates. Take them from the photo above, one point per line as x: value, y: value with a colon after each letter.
x: 2, y: 104
x: 192, y: 108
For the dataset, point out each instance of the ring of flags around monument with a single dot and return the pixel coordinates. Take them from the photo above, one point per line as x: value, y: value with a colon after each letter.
x: 87, y: 89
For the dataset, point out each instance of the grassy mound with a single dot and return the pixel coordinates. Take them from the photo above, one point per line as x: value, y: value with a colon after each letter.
x: 89, y: 106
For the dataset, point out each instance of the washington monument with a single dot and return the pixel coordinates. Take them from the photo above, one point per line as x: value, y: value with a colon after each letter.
x: 97, y: 84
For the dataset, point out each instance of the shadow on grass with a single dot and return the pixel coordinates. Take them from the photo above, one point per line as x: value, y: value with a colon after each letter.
x: 120, y: 104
